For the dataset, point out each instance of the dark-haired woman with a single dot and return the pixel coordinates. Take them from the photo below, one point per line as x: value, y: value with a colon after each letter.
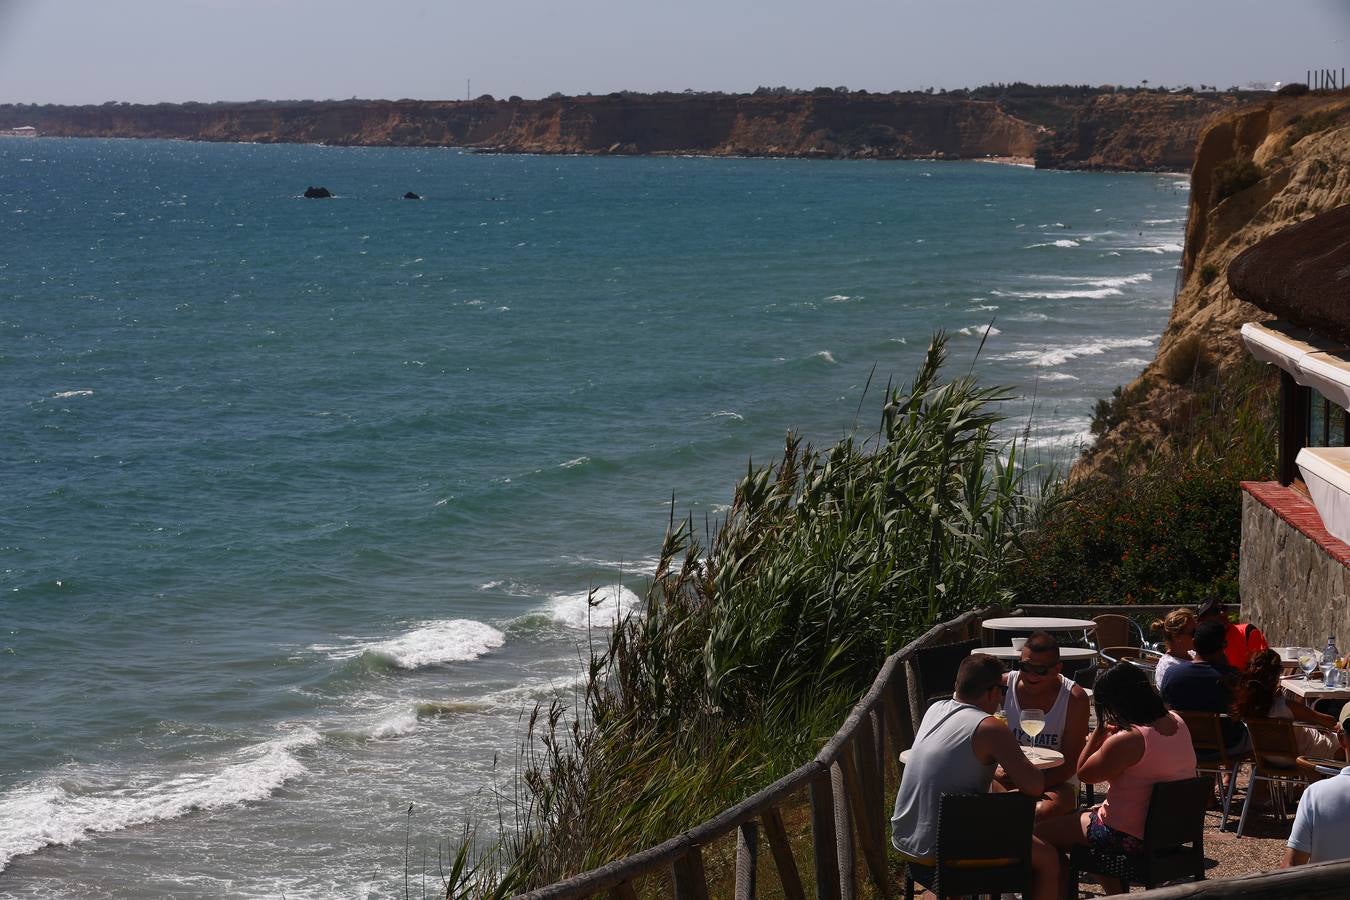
x: 1258, y: 695
x: 1137, y: 743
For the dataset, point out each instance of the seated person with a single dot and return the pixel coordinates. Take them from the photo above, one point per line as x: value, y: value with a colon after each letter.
x: 956, y: 749
x: 1136, y: 744
x: 1243, y: 639
x: 1319, y: 832
x: 1206, y: 684
x: 1040, y: 684
x: 1178, y: 630
x: 1258, y: 695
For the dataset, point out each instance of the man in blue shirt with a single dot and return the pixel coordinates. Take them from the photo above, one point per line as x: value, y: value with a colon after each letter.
x: 1320, y: 832
x: 1206, y: 683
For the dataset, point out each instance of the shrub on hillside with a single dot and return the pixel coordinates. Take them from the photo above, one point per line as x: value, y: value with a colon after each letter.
x: 1312, y: 123
x: 1233, y: 176
x: 1208, y: 272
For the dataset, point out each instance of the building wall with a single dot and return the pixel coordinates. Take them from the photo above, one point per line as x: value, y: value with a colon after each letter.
x: 1292, y: 575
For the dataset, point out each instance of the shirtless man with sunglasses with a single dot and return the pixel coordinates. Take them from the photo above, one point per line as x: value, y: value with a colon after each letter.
x: 1039, y: 684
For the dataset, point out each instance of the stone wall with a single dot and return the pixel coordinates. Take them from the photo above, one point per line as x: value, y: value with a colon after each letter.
x: 1293, y: 576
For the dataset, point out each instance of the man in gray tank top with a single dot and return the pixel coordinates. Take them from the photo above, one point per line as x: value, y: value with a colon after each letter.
x: 956, y: 749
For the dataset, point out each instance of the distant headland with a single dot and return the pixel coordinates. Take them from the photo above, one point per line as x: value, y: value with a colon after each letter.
x: 1061, y: 126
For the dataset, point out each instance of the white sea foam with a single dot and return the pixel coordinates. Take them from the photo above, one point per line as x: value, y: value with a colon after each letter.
x: 573, y: 463
x: 66, y: 395
x: 1097, y: 294
x: 1053, y: 225
x: 1163, y: 221
x: 575, y: 610
x: 432, y: 643
x: 1134, y: 362
x: 840, y: 298
x: 1121, y: 281
x: 490, y: 585
x: 1058, y: 376
x: 825, y: 355
x: 643, y: 565
x: 1169, y: 247
x: 983, y: 330
x: 726, y: 414
x: 1065, y: 242
x: 400, y: 723
x: 897, y: 340
x: 69, y: 808
x: 1061, y: 355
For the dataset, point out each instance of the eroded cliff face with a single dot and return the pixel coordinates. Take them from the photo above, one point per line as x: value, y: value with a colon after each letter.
x: 1301, y: 147
x: 1128, y: 130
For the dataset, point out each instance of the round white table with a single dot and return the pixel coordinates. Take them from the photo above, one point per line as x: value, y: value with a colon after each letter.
x: 1040, y: 757
x: 1037, y: 623
x: 1068, y: 654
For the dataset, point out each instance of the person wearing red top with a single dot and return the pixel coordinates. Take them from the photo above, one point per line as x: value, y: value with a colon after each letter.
x: 1244, y: 639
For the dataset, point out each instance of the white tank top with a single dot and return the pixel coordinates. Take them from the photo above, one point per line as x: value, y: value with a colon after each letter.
x: 1054, y: 716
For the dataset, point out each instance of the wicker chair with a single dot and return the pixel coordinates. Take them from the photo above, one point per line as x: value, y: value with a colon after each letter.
x: 935, y: 669
x: 1174, y: 840
x: 972, y: 857
x: 1275, y: 761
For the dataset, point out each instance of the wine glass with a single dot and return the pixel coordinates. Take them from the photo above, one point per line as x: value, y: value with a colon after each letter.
x: 1032, y: 723
x: 1307, y: 661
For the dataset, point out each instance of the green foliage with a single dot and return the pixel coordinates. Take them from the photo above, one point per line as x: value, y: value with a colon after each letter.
x: 748, y: 653
x: 1110, y: 412
x: 1233, y: 176
x: 1208, y: 272
x: 1169, y: 534
x: 1310, y: 124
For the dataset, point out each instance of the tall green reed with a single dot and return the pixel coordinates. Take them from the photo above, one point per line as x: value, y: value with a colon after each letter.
x: 756, y: 637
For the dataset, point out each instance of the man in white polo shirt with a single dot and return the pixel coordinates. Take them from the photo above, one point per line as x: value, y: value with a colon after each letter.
x: 1320, y: 831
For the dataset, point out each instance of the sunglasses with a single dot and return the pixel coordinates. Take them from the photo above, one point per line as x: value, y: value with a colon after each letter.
x: 1035, y: 669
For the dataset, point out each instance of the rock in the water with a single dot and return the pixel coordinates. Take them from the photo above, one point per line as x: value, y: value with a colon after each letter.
x: 317, y: 193
x: 411, y: 196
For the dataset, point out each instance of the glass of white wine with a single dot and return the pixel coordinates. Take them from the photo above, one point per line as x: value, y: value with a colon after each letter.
x: 1307, y: 661
x: 1032, y: 723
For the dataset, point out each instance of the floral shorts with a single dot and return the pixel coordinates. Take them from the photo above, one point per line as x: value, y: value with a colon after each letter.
x: 1103, y: 837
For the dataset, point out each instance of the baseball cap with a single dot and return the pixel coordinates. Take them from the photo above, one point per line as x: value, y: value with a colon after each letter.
x: 1210, y: 605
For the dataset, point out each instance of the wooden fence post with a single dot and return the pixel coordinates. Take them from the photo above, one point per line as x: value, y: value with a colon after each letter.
x: 691, y: 883
x: 747, y: 859
x: 864, y: 794
x: 776, y: 835
x: 823, y: 839
x: 623, y: 891
x: 843, y: 826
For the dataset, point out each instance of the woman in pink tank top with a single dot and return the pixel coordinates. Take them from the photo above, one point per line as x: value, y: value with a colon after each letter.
x: 1138, y: 742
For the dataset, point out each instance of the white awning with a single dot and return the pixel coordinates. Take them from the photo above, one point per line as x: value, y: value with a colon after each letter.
x: 1314, y: 362
x: 1326, y: 472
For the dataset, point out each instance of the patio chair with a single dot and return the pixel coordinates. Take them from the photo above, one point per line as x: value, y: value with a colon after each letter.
x: 1141, y: 656
x: 1211, y: 753
x: 1117, y: 631
x: 935, y: 669
x: 1275, y: 761
x: 972, y: 857
x: 1174, y: 840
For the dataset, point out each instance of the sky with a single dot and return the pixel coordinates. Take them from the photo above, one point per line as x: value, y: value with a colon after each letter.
x: 148, y: 51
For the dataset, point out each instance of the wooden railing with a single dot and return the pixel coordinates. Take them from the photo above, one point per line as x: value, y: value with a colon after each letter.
x: 846, y: 786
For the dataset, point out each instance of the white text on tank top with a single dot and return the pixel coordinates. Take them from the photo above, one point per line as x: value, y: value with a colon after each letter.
x: 1054, y: 716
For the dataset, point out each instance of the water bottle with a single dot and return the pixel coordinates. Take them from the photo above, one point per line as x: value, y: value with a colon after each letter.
x: 1329, y: 656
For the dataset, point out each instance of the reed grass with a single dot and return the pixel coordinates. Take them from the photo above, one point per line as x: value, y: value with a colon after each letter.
x: 757, y: 635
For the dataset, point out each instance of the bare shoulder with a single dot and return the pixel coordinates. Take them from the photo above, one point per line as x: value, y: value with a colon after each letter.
x: 1077, y: 695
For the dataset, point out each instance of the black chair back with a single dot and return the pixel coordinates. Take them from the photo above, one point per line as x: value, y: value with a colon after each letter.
x: 1176, y: 813
x: 984, y: 844
x: 935, y: 669
x: 1174, y: 838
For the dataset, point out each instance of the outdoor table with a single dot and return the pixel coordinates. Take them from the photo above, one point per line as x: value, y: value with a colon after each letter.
x: 1037, y: 623
x: 1312, y: 691
x: 1067, y: 654
x: 1040, y: 757
x: 1321, y: 767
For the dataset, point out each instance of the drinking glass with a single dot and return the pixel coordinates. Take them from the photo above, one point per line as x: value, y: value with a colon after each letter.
x: 1032, y: 723
x: 1307, y: 661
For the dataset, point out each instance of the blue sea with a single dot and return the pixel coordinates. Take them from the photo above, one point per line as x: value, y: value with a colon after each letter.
x: 303, y: 499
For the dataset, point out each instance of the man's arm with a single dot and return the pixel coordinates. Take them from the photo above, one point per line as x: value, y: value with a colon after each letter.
x: 994, y: 741
x: 1294, y: 857
x: 1074, y: 737
x: 1299, y: 846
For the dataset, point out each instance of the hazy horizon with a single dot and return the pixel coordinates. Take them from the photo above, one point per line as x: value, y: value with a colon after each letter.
x: 151, y: 51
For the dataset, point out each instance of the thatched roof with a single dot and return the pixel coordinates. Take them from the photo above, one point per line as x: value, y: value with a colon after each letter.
x: 1301, y: 274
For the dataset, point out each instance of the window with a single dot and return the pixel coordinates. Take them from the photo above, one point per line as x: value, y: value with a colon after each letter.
x: 1326, y: 422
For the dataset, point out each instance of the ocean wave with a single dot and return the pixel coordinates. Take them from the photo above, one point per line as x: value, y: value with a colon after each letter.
x: 1065, y: 243
x: 643, y: 565
x: 430, y: 644
x: 1163, y: 221
x: 403, y: 722
x: 726, y: 414
x: 66, y: 395
x: 1120, y: 281
x: 1058, y: 376
x: 825, y: 355
x: 576, y: 610
x: 981, y: 330
x: 573, y: 463
x: 62, y: 811
x: 1095, y: 294
x: 1169, y: 247
x: 1061, y: 355
x: 840, y: 298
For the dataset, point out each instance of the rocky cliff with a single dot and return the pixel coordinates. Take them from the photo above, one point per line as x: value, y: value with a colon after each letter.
x: 1257, y: 170
x: 1060, y: 127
